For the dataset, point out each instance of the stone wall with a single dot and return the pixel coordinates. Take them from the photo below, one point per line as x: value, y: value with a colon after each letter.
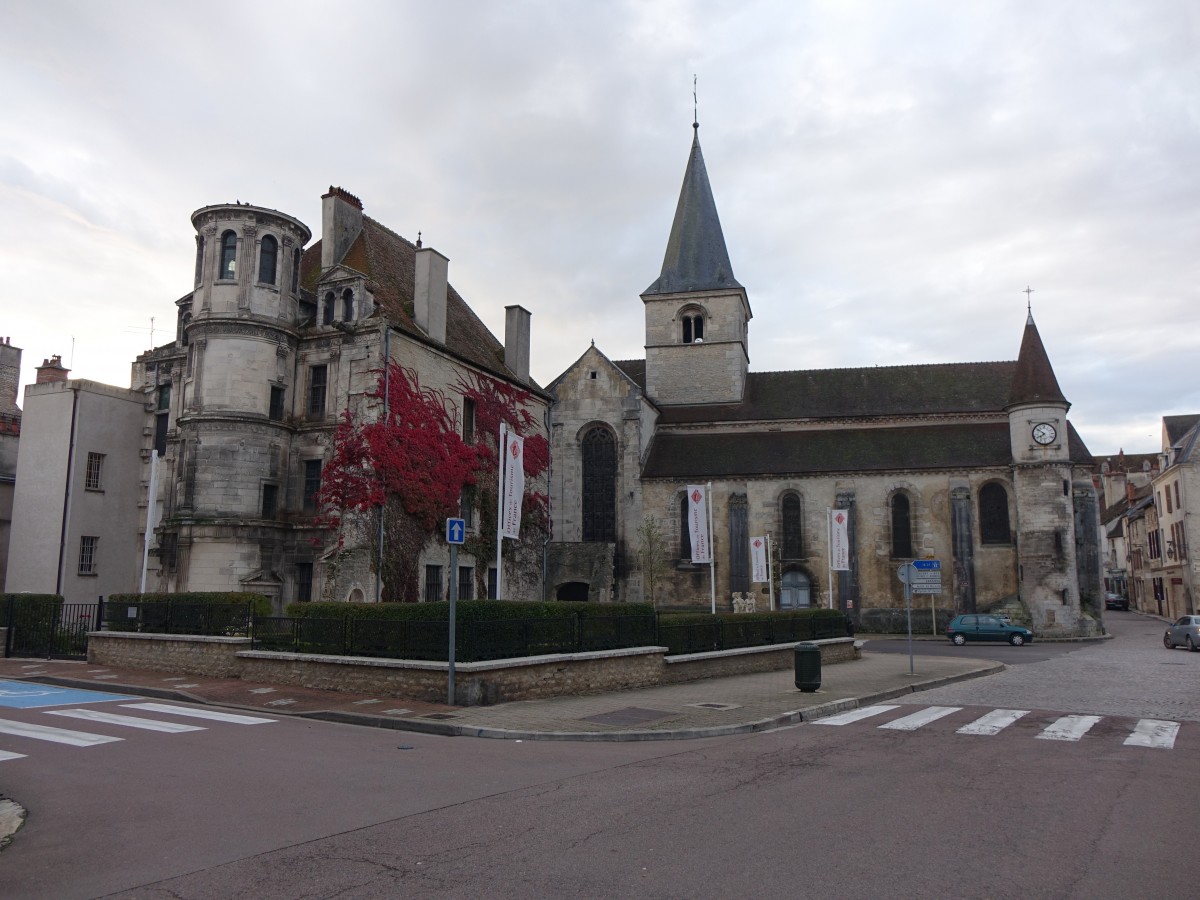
x: 476, y: 684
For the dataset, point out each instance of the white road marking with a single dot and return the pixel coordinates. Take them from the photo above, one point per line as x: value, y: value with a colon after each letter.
x: 57, y: 735
x: 1153, y: 733
x: 994, y: 722
x: 95, y: 715
x: 855, y: 715
x: 4, y: 754
x: 1068, y: 728
x: 212, y: 714
x: 915, y: 720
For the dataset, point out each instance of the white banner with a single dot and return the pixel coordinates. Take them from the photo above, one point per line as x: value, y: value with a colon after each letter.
x: 698, y: 523
x: 758, y: 560
x: 839, y: 541
x: 514, y: 485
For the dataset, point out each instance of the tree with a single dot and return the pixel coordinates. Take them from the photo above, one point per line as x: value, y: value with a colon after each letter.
x: 411, y: 465
x: 652, y: 556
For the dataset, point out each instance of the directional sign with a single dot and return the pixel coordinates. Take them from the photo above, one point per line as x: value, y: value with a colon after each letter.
x: 926, y: 576
x: 925, y: 564
x: 456, y: 531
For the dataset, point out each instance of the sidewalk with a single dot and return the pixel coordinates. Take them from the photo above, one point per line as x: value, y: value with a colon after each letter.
x: 709, y: 708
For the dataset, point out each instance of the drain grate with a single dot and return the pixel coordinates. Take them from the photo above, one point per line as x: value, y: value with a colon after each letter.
x: 720, y: 706
x: 631, y: 715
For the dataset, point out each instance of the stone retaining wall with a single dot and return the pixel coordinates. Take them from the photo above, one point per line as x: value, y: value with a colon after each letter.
x: 476, y: 684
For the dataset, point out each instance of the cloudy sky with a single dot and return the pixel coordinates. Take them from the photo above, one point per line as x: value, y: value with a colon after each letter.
x: 890, y: 175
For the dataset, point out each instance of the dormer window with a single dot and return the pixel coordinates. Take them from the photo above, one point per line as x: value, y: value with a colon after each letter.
x: 268, y: 257
x: 347, y: 305
x: 228, y: 256
x: 693, y: 326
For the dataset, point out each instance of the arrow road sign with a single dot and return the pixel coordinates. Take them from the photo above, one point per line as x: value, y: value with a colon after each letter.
x: 456, y: 531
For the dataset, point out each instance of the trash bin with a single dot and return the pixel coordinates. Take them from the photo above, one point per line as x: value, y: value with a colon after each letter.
x: 808, y: 667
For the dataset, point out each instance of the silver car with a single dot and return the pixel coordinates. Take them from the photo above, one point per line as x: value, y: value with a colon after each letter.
x: 1183, y: 633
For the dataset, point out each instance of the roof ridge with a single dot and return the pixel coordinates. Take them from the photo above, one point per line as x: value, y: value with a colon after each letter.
x: 994, y: 362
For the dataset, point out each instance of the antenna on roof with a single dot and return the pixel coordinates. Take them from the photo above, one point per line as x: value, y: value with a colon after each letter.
x: 418, y: 240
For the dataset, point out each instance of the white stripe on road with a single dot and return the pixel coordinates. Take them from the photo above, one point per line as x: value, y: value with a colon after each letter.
x: 924, y: 717
x: 57, y: 735
x: 95, y: 715
x: 1153, y: 733
x: 4, y: 754
x: 994, y: 722
x: 199, y: 713
x: 1068, y: 728
x: 855, y: 715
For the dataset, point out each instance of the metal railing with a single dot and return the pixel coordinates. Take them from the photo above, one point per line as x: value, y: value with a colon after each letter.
x: 168, y: 617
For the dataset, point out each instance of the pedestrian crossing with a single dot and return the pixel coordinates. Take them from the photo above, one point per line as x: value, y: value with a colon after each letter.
x: 1149, y: 733
x: 20, y: 732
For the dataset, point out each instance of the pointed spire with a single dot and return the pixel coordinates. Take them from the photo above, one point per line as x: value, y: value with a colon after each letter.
x: 1034, y: 381
x: 696, y: 258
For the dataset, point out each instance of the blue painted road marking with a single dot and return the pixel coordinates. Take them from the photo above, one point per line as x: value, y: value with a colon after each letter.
x: 26, y: 695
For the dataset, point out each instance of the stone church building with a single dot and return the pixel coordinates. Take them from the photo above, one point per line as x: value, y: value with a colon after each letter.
x: 973, y: 464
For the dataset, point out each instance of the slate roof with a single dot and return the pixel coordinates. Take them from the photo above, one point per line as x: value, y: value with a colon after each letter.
x: 1034, y: 381
x: 1178, y: 426
x: 696, y: 257
x: 684, y: 455
x: 389, y: 263
x: 852, y: 393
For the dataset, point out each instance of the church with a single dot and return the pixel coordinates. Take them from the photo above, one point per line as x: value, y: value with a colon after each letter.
x: 973, y: 464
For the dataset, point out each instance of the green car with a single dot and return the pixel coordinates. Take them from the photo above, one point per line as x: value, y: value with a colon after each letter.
x: 986, y: 628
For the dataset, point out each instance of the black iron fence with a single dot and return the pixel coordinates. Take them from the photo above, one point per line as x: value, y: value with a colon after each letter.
x: 167, y: 617
x: 475, y: 641
x: 48, y: 628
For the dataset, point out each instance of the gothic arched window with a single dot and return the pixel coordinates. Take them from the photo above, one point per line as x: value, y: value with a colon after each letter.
x: 739, y: 544
x: 228, y: 256
x: 993, y: 514
x: 693, y: 325
x: 685, y: 529
x: 793, y: 542
x: 268, y: 258
x: 347, y: 305
x: 902, y: 547
x: 599, y: 486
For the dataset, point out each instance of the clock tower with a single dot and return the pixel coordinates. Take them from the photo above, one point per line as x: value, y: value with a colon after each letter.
x: 1041, y: 460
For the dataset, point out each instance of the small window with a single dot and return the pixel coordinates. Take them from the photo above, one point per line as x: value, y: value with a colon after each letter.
x: 491, y: 583
x: 433, y: 584
x: 466, y: 583
x: 228, y: 267
x: 1169, y: 507
x: 317, y: 384
x: 270, y: 500
x: 199, y: 257
x: 327, y: 312
x: 268, y: 259
x: 304, y: 578
x: 468, y: 422
x: 312, y: 485
x: 347, y: 305
x: 95, y: 471
x: 693, y: 327
x: 901, y: 527
x: 275, y: 411
x: 466, y: 506
x: 88, y: 546
x: 1178, y: 505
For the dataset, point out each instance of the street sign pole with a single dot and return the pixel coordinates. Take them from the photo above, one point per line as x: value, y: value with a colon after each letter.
x: 453, y: 616
x: 905, y: 574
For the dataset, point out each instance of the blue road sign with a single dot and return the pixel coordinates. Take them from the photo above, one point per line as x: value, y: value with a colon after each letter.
x: 456, y: 531
x: 927, y: 563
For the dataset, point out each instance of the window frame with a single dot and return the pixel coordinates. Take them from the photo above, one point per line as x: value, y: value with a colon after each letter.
x: 268, y: 249
x: 310, y: 501
x: 318, y: 390
x: 93, y: 476
x: 227, y: 259
x: 89, y: 553
x: 990, y: 508
x: 901, y: 538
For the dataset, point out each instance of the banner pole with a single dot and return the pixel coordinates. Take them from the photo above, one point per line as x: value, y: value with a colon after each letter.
x: 712, y: 553
x: 500, y: 511
x: 829, y: 543
x: 770, y: 573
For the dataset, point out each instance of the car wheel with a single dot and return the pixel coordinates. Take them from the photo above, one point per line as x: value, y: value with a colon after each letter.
x: 1190, y: 645
x: 959, y: 639
x: 1167, y: 642
x: 1016, y: 639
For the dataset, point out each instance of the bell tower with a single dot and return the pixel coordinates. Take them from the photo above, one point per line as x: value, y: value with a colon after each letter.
x: 697, y: 314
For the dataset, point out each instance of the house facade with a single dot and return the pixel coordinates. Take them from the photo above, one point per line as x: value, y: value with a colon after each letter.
x: 972, y: 464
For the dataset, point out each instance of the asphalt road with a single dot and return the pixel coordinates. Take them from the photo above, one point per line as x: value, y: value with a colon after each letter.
x: 298, y: 808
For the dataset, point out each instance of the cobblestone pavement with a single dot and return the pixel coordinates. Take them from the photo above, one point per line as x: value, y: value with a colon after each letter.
x: 698, y: 709
x: 1130, y: 675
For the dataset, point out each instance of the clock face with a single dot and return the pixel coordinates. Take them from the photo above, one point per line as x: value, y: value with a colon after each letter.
x: 1044, y: 433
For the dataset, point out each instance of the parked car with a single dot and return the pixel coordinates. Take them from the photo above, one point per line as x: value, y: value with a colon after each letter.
x: 987, y: 628
x: 1115, y: 601
x: 1183, y: 633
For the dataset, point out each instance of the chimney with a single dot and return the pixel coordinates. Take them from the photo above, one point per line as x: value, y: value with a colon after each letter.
x: 51, y: 371
x: 429, y: 293
x: 341, y: 223
x: 516, y: 341
x: 10, y: 376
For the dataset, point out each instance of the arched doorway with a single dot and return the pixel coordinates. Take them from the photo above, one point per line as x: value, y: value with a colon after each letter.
x: 796, y: 592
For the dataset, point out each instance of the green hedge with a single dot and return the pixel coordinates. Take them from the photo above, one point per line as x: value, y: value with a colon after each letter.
x: 259, y: 603
x: 466, y: 610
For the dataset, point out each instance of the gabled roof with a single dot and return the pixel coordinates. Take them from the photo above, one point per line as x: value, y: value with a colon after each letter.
x: 389, y: 263
x: 696, y: 257
x: 1177, y: 426
x: 1034, y: 381
x: 853, y: 393
x: 1185, y: 447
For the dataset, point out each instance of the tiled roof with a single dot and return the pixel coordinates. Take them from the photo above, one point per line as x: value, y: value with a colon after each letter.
x: 852, y: 393
x: 389, y: 263
x: 1178, y: 426
x: 1034, y: 381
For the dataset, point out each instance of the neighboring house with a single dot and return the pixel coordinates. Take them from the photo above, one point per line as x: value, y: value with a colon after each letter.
x: 1176, y: 576
x: 1137, y: 549
x: 1123, y: 480
x: 10, y: 437
x: 272, y: 344
x: 974, y: 464
x: 76, y: 528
